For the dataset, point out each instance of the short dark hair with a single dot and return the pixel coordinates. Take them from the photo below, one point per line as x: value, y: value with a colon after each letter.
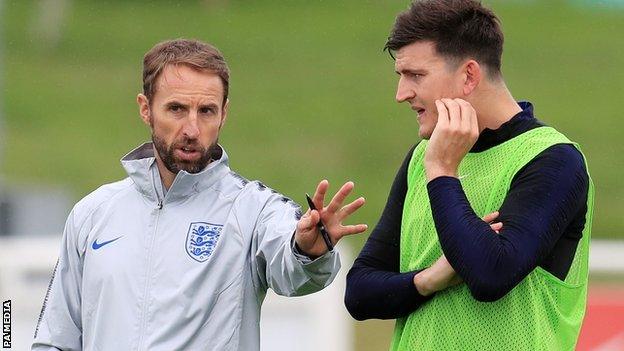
x: 459, y: 29
x: 190, y: 52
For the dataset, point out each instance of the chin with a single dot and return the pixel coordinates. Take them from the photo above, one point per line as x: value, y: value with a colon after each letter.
x: 424, y: 134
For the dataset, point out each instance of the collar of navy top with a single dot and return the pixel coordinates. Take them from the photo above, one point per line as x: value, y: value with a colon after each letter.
x: 522, y: 122
x: 140, y: 163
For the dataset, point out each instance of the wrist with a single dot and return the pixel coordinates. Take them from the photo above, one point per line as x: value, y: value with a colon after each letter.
x: 435, y: 171
x: 422, y: 282
x: 300, y: 251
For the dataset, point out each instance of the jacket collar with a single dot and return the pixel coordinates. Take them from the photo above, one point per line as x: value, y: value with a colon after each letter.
x: 140, y: 164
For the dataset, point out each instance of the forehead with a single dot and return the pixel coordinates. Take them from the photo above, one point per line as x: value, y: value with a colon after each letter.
x: 418, y: 55
x: 183, y: 80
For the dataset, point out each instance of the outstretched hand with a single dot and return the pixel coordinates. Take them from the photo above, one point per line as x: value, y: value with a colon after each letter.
x: 308, y: 236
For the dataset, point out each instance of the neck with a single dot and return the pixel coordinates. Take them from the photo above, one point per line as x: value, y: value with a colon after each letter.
x: 494, y: 105
x: 165, y: 175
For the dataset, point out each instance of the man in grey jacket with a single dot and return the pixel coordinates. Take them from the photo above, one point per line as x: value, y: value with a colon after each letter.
x: 179, y: 255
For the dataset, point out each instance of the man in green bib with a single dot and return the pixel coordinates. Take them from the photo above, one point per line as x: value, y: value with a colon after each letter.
x: 483, y: 243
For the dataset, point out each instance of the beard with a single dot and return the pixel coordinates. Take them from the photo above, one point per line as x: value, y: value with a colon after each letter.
x: 174, y: 164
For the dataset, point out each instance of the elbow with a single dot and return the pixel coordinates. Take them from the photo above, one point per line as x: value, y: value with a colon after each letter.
x: 354, y: 310
x: 352, y: 303
x: 488, y: 292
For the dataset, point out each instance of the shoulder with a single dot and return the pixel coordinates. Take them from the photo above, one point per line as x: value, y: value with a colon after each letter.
x: 235, y: 186
x: 94, y: 200
x: 268, y: 195
x: 562, y: 157
x: 560, y: 166
x: 250, y: 193
x: 230, y: 185
x: 266, y: 199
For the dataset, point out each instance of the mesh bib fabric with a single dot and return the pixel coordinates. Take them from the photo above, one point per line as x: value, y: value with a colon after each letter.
x: 541, y: 313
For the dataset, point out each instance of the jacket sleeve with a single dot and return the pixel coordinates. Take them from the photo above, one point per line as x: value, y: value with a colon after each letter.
x: 59, y: 326
x: 279, y: 266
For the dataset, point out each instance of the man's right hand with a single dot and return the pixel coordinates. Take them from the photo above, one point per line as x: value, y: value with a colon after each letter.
x: 437, y: 277
x: 456, y: 131
x: 441, y: 275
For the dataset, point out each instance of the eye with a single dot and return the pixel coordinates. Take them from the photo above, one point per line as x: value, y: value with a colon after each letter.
x: 414, y: 75
x: 175, y: 108
x: 207, y: 110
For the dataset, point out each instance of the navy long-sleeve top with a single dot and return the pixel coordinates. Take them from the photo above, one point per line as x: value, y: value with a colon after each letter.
x: 543, y: 217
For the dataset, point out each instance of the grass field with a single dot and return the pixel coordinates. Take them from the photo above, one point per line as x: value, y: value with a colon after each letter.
x: 312, y: 94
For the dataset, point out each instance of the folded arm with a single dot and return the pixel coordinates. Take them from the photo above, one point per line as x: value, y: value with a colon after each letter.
x: 543, y: 199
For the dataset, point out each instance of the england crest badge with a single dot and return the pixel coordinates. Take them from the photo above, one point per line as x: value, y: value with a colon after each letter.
x: 201, y: 240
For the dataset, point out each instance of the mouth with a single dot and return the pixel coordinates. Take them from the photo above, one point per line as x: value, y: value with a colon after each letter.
x: 421, y: 111
x: 188, y: 153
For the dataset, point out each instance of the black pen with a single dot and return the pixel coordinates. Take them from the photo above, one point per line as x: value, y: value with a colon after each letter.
x: 321, y: 226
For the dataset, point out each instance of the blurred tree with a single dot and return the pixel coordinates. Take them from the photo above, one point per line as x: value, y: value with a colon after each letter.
x: 48, y: 23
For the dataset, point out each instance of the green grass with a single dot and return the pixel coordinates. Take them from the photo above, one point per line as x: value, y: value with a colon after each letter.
x: 312, y: 94
x: 311, y: 90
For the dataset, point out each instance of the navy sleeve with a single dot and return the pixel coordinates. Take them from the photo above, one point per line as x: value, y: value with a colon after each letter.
x: 375, y: 287
x: 543, y: 199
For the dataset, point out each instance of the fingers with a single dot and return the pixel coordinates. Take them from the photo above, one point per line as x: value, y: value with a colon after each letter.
x: 454, y: 113
x: 469, y: 118
x: 474, y: 122
x: 335, y: 213
x: 319, y: 194
x: 462, y: 116
x: 354, y: 229
x: 339, y: 198
x: 490, y: 217
x: 497, y: 227
x: 308, y: 221
x: 347, y: 210
x: 467, y: 114
x: 443, y: 114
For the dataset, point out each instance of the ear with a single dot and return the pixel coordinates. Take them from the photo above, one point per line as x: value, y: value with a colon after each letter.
x: 473, y: 73
x: 225, y: 112
x: 144, y: 109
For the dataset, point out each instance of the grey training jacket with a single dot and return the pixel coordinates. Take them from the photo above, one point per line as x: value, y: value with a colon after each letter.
x: 184, y: 271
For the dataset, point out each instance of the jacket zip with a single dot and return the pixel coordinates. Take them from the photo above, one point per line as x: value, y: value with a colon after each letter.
x: 143, y: 321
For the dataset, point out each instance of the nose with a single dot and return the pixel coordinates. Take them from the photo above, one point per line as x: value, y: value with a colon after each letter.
x: 191, y: 126
x: 404, y: 92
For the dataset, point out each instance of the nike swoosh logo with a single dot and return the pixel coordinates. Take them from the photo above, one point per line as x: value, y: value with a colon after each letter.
x: 96, y: 246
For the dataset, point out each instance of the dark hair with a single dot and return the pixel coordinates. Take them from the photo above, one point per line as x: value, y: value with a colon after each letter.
x: 191, y: 52
x: 459, y: 29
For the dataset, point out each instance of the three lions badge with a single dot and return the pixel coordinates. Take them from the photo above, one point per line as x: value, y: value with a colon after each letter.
x: 201, y: 239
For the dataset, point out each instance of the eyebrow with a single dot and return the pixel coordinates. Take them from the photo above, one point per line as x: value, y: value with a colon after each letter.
x: 409, y: 70
x: 175, y: 103
x: 211, y: 105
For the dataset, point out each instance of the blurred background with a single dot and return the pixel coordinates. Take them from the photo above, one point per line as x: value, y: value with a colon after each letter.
x: 312, y: 97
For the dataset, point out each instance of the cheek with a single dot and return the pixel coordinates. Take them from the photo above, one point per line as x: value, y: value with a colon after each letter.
x: 210, y: 129
x: 164, y: 130
x: 455, y: 87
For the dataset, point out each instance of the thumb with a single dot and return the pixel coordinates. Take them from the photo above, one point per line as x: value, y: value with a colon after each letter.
x: 309, y: 220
